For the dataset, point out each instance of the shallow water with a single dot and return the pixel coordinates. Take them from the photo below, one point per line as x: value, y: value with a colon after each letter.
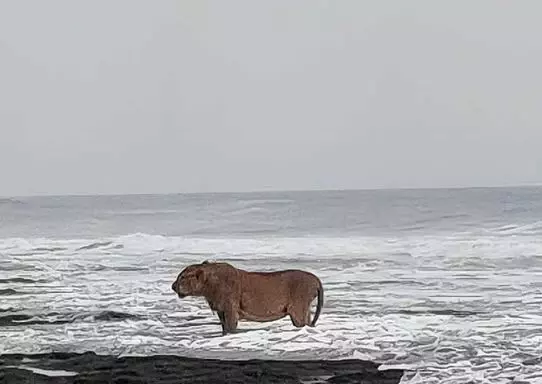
x: 446, y: 284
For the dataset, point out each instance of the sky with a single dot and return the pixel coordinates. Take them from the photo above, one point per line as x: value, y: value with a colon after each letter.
x: 131, y: 96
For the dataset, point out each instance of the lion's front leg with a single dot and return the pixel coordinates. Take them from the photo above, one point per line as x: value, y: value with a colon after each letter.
x: 222, y: 319
x: 231, y: 318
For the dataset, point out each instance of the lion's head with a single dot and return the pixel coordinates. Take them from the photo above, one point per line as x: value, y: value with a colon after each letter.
x: 191, y: 281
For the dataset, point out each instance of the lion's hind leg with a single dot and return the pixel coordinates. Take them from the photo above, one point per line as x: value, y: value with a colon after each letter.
x: 308, y: 316
x: 300, y: 315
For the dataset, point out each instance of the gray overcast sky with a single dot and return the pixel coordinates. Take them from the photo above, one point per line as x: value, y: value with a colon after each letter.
x: 132, y: 96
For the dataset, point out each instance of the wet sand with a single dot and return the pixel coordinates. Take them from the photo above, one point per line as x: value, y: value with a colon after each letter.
x: 89, y: 368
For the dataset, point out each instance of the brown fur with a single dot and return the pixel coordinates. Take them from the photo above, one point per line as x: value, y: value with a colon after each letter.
x: 236, y: 294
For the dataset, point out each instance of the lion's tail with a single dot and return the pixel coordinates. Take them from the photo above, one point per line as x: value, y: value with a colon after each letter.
x: 319, y: 305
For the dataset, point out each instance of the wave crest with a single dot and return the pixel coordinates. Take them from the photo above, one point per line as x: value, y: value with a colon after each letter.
x: 460, y: 248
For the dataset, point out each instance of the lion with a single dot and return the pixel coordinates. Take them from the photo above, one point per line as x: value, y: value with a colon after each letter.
x: 235, y: 294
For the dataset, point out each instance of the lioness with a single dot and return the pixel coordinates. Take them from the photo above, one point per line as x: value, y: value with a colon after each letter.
x: 236, y: 294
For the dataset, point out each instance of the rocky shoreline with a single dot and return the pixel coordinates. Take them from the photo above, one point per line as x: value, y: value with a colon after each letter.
x: 89, y: 368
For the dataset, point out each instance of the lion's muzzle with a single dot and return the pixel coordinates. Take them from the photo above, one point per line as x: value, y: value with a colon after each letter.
x: 177, y: 290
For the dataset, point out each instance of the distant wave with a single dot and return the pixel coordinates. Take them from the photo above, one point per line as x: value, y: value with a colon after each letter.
x: 18, y: 319
x: 50, y: 249
x: 389, y: 250
x: 248, y: 210
x: 17, y: 267
x: 425, y: 223
x: 8, y: 291
x: 10, y: 200
x: 144, y: 212
x: 21, y: 280
x: 520, y: 229
x: 454, y: 216
x: 101, y: 267
x: 439, y: 312
x: 37, y: 251
x: 259, y: 206
x: 95, y: 245
x: 254, y: 202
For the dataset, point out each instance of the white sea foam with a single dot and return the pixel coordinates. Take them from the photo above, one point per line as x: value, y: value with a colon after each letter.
x: 448, y: 308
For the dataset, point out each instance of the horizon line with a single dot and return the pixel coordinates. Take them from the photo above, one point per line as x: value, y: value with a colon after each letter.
x: 256, y: 191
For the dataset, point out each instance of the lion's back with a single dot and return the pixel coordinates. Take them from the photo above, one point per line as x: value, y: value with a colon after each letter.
x: 273, y: 291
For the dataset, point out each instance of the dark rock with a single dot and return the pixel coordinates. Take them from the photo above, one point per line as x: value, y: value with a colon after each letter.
x: 92, y: 369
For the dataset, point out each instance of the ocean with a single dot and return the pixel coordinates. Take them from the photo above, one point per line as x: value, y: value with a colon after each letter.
x: 446, y: 284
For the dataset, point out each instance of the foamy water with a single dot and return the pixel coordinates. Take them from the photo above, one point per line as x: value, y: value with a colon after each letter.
x: 447, y: 309
x: 447, y: 306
